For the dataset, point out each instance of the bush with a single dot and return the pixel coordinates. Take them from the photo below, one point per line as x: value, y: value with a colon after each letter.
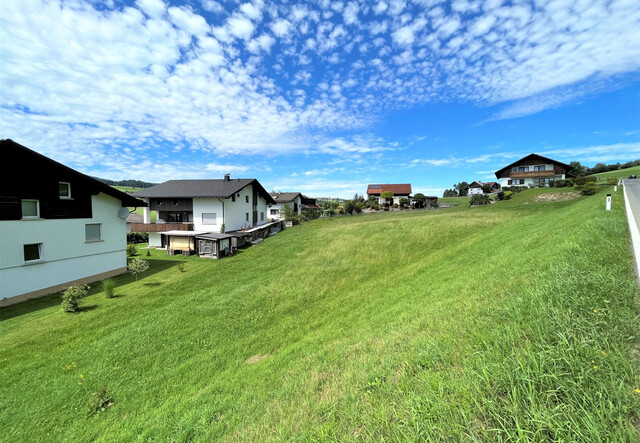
x: 479, y: 199
x: 588, y: 189
x: 395, y: 205
x: 560, y: 183
x: 570, y: 182
x: 435, y: 205
x: 108, y: 286
x: 132, y: 251
x: 386, y: 207
x: 612, y: 181
x: 72, y: 298
x: 404, y: 201
x: 376, y: 207
x: 581, y: 181
x: 137, y: 237
x: 100, y: 401
x: 507, y: 195
x: 515, y: 189
x: 180, y: 266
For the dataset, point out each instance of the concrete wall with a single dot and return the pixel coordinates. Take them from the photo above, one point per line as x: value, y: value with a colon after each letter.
x: 66, y: 255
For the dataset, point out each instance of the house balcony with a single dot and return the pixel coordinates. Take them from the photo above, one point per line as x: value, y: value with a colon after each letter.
x: 533, y: 174
x: 161, y: 227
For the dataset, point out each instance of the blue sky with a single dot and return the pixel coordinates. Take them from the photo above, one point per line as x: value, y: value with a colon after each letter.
x: 321, y: 97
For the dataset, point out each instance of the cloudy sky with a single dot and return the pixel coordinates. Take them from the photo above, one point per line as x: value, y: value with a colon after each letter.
x: 319, y: 96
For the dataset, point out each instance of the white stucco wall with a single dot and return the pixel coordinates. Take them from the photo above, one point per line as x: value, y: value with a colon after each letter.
x: 66, y: 255
x: 235, y: 213
x: 475, y: 191
x: 155, y: 240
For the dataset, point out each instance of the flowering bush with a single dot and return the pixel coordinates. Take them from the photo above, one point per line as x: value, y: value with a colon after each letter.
x: 71, y: 298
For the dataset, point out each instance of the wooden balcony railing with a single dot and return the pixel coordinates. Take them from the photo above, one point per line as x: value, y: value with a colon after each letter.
x: 161, y: 227
x: 529, y: 174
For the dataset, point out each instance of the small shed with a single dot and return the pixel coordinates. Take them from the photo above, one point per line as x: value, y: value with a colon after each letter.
x: 214, y: 245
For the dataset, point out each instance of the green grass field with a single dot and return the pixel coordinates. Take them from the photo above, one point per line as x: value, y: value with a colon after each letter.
x: 621, y: 173
x: 126, y: 188
x: 512, y: 322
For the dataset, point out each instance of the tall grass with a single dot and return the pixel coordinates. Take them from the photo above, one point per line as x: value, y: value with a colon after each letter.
x: 109, y: 287
x: 516, y: 321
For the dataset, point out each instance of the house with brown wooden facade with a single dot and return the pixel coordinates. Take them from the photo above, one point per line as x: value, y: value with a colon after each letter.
x: 399, y: 190
x: 533, y: 170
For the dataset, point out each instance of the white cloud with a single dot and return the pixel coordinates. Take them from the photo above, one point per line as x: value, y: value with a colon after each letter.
x: 406, y: 34
x: 262, y: 43
x: 380, y: 7
x: 184, y: 18
x: 251, y: 10
x: 240, y: 27
x: 153, y: 8
x: 212, y: 6
x: 350, y: 13
x: 280, y: 27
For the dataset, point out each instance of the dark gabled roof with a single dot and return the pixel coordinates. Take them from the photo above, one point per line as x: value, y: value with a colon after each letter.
x: 284, y: 197
x: 10, y: 149
x: 207, y: 188
x: 550, y: 160
x: 396, y: 189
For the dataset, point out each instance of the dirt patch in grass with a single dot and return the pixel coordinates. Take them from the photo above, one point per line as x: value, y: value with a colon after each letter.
x: 557, y: 197
x: 255, y: 358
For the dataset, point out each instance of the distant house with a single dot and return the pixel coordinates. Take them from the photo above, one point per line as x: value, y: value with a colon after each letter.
x: 293, y: 199
x: 476, y: 188
x: 310, y: 205
x: 402, y: 190
x: 533, y: 170
x: 191, y: 215
x: 58, y: 227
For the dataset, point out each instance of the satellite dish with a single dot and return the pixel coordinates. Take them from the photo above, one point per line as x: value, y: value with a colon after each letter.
x: 123, y: 213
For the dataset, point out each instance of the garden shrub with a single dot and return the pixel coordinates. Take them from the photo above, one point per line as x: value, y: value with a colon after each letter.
x: 581, y: 181
x: 180, y: 266
x: 515, y: 189
x: 386, y: 207
x: 108, y: 286
x: 479, y: 199
x: 560, y: 183
x: 507, y: 195
x: 131, y: 250
x: 72, y: 298
x: 395, y: 205
x: 588, y: 189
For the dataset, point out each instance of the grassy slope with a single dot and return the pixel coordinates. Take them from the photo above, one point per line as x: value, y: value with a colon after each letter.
x: 516, y: 320
x: 621, y: 173
x: 126, y: 188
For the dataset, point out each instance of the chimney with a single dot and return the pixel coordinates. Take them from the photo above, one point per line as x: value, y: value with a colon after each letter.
x: 227, y: 177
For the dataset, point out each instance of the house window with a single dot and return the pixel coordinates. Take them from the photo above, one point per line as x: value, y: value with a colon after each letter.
x: 175, y: 203
x: 247, y: 216
x: 262, y: 216
x: 64, y: 190
x: 93, y: 232
x: 208, y: 218
x: 30, y: 209
x: 523, y: 168
x: 538, y: 168
x: 246, y: 198
x: 33, y: 252
x: 275, y: 211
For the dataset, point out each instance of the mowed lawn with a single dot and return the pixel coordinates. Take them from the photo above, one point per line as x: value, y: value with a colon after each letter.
x: 517, y: 321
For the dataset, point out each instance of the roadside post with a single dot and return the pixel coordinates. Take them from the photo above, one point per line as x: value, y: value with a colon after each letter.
x: 608, y: 202
x: 615, y: 188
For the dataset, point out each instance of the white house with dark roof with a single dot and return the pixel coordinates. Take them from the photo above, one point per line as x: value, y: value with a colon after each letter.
x: 190, y: 208
x: 293, y: 199
x: 533, y: 170
x: 58, y: 227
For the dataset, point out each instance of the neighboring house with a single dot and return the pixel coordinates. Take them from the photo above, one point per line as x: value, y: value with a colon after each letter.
x: 58, y: 227
x: 310, y: 205
x: 134, y: 218
x: 399, y: 191
x: 533, y: 170
x: 476, y: 188
x: 293, y: 199
x: 189, y: 212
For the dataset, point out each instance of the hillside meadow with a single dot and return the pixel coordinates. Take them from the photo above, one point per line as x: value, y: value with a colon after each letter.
x: 516, y: 321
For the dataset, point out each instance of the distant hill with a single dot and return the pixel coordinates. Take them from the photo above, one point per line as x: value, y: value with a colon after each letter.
x: 126, y: 183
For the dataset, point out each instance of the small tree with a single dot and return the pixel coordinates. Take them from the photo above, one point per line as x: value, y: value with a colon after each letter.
x: 138, y: 266
x: 450, y: 193
x: 419, y: 200
x: 486, y: 189
x: 222, y: 228
x: 404, y: 201
x: 288, y: 213
x: 71, y: 298
x: 131, y: 250
x: 388, y: 196
x: 349, y: 207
